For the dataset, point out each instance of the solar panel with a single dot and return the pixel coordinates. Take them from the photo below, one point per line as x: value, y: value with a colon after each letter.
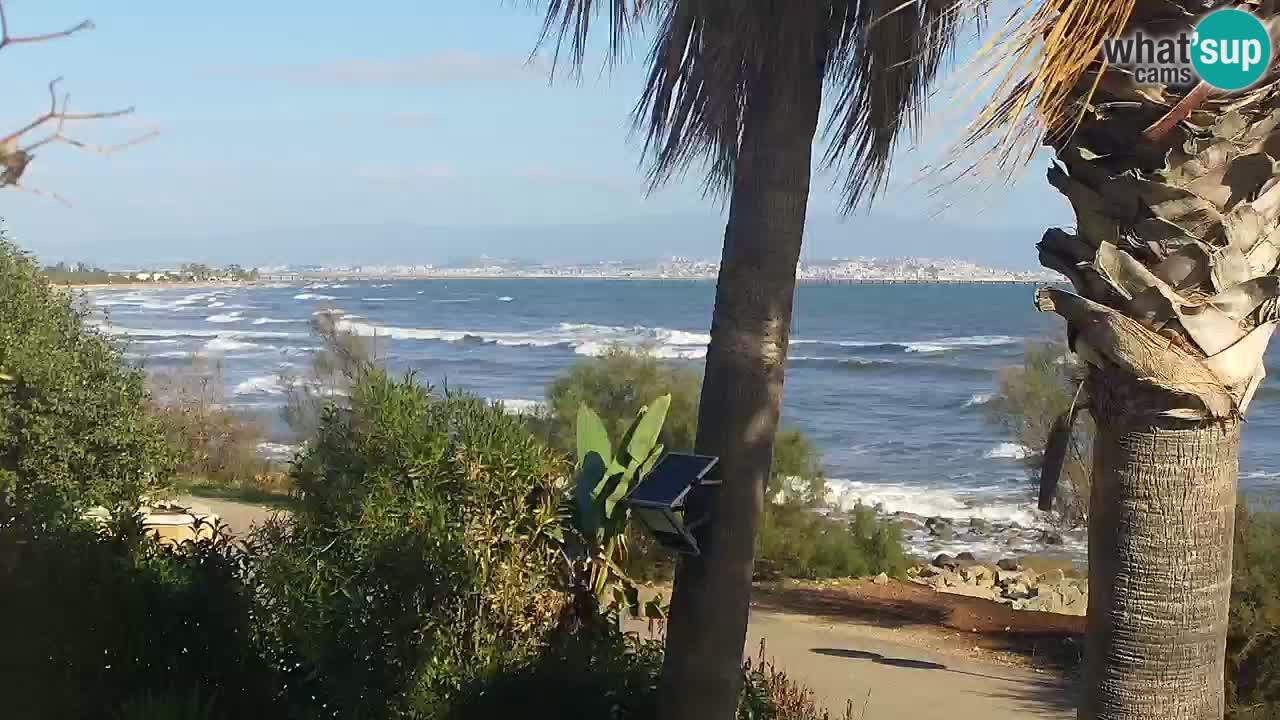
x: 671, y: 478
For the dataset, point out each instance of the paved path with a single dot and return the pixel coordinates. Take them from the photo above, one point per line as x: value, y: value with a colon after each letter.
x: 848, y: 661
x: 843, y: 662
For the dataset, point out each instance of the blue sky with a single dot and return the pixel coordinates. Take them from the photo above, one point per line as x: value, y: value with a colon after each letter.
x: 321, y: 114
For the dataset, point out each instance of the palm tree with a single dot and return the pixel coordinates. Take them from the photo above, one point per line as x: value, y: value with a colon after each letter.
x: 1173, y: 264
x: 739, y: 85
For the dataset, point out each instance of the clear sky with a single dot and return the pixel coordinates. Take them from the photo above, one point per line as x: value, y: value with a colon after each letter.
x: 284, y: 114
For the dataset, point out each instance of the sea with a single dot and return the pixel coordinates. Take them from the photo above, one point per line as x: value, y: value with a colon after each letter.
x: 892, y: 382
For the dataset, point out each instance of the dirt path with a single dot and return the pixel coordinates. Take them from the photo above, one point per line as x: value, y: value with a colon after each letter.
x: 899, y: 650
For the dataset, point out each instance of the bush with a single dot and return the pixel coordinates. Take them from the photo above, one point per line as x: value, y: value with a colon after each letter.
x: 95, y: 623
x: 1253, y: 639
x: 213, y: 443
x: 75, y: 430
x: 335, y: 368
x: 1029, y: 399
x: 423, y: 555
x: 795, y: 541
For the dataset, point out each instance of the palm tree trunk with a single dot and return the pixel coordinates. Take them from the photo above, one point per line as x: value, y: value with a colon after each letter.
x: 742, y: 388
x: 1160, y: 541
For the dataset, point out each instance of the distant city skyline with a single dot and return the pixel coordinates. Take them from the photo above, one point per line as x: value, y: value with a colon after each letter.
x: 404, y: 114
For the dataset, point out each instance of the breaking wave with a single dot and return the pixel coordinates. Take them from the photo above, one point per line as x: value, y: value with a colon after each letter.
x: 1009, y: 450
x: 583, y: 338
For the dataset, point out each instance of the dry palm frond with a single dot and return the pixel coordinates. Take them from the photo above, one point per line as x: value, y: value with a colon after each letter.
x: 1045, y: 65
x: 713, y: 58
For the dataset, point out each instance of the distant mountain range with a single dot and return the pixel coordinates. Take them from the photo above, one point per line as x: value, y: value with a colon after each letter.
x: 641, y: 238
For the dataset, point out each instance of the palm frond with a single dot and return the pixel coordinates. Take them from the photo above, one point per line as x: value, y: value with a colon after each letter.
x: 569, y: 22
x: 1045, y: 65
x: 710, y: 60
x: 885, y: 57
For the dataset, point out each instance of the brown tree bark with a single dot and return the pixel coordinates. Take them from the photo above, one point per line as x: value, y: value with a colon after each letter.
x: 742, y: 389
x: 1160, y: 541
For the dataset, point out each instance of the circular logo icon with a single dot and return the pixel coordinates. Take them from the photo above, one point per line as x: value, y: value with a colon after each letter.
x: 1231, y: 49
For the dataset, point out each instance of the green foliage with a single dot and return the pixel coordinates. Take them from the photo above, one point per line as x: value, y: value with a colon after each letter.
x: 794, y: 541
x: 1030, y: 397
x: 1253, y: 636
x: 75, y: 430
x: 616, y: 385
x: 424, y: 554
x: 341, y: 362
x: 602, y: 479
x: 769, y: 694
x: 604, y: 675
x: 92, y: 623
x: 151, y: 705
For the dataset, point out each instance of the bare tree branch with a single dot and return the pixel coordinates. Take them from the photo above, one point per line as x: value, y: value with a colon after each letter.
x: 14, y: 159
x: 6, y: 39
x: 42, y: 193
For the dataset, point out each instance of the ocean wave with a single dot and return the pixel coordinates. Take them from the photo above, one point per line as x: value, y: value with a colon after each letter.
x: 261, y: 385
x: 275, y: 321
x: 938, y: 345
x: 313, y: 296
x: 278, y: 451
x: 521, y: 406
x: 152, y: 333
x: 225, y: 344
x: 953, y: 503
x: 225, y: 317
x: 979, y: 399
x: 1008, y: 450
x: 505, y: 298
x: 583, y: 338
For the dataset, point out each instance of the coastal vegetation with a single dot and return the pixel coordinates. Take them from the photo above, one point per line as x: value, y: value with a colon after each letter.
x: 421, y: 574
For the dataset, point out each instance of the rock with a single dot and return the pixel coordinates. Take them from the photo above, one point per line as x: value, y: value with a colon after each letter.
x: 943, y: 532
x: 979, y: 524
x: 1016, y: 591
x: 881, y: 579
x: 969, y: 591
x: 1053, y: 577
x: 944, y: 560
x: 1071, y: 594
x: 929, y: 571
x: 1007, y: 577
x: 1007, y: 564
x: 1050, y: 537
x: 978, y: 575
x: 966, y: 557
x: 935, y: 521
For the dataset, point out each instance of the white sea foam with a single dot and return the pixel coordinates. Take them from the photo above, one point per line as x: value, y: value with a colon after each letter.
x: 979, y: 399
x: 216, y: 304
x: 313, y: 296
x: 224, y: 344
x: 954, y: 503
x: 261, y: 385
x: 1010, y: 450
x: 505, y: 298
x: 584, y: 338
x: 277, y: 451
x: 273, y: 321
x: 225, y: 317
x: 522, y: 406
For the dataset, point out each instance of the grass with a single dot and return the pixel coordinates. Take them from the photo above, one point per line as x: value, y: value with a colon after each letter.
x: 272, y: 497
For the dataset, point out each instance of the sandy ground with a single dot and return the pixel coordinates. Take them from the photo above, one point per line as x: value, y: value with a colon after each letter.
x: 893, y: 651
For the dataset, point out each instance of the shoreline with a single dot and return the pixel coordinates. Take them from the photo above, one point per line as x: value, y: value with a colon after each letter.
x: 162, y: 285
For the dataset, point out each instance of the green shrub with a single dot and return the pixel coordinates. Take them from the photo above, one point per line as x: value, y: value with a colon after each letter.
x: 75, y: 430
x: 1253, y: 639
x: 795, y: 541
x: 423, y: 556
x: 94, y: 623
x: 1029, y: 399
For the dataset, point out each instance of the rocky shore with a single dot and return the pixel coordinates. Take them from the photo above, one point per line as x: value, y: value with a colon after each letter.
x: 989, y: 540
x: 1010, y: 581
